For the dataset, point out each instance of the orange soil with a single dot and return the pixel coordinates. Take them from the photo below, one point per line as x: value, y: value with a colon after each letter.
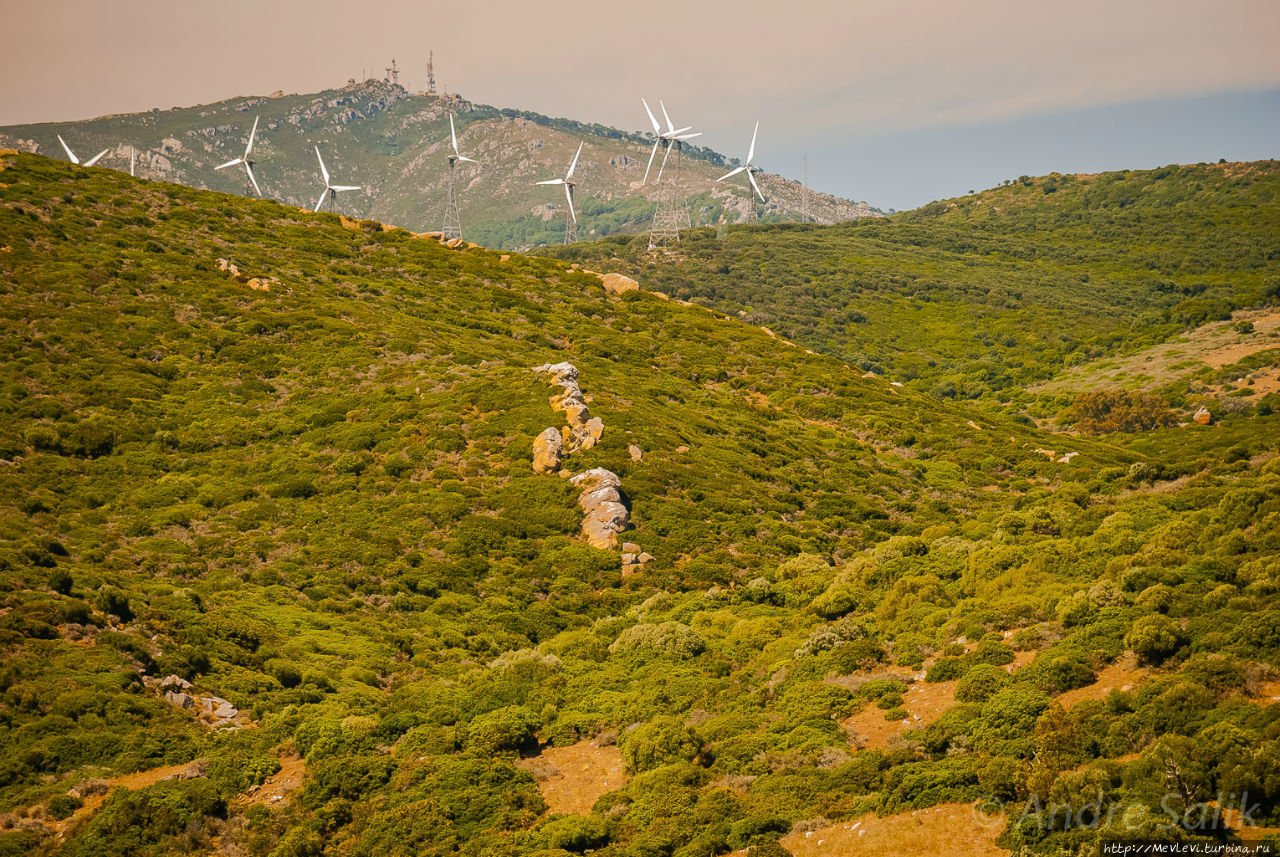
x: 1268, y: 692
x: 924, y: 701
x: 957, y: 830
x: 573, y: 778
x: 1124, y: 674
x: 280, y: 785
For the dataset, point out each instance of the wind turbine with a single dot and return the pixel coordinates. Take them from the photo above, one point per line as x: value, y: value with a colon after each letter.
x: 452, y: 218
x: 453, y: 135
x: 133, y: 160
x: 675, y: 137
x: 244, y: 159
x: 74, y: 159
x: 659, y: 135
x: 330, y: 190
x: 571, y: 222
x: 748, y: 168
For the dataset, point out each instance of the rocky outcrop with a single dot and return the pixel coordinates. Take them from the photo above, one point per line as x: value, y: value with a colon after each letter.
x: 1203, y: 417
x: 601, y: 500
x: 215, y: 710
x: 634, y: 559
x: 616, y: 284
x: 546, y: 451
x: 606, y: 514
x: 583, y: 430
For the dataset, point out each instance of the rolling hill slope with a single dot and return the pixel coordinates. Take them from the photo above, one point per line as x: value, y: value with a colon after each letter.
x: 984, y: 296
x: 303, y: 488
x: 394, y: 144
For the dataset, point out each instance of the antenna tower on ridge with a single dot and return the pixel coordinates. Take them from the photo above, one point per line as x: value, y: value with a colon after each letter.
x: 431, y: 73
x: 393, y: 73
x: 804, y: 200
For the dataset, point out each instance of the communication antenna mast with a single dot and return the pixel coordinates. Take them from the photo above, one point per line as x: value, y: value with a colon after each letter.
x: 431, y: 73
x: 393, y: 73
x: 804, y: 200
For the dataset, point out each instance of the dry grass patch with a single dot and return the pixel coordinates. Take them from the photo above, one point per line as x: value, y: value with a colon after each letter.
x: 573, y: 778
x: 1124, y: 674
x: 953, y: 829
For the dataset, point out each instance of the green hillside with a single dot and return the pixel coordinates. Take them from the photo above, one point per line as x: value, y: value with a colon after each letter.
x: 395, y: 144
x: 306, y: 489
x: 980, y: 297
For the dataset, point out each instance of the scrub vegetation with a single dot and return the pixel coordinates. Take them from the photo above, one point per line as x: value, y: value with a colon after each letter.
x: 307, y: 490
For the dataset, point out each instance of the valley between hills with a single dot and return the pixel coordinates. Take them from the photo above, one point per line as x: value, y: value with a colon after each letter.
x: 953, y: 531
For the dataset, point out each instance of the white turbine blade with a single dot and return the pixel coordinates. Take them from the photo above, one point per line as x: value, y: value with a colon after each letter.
x: 674, y: 131
x: 249, y: 148
x: 453, y: 135
x: 574, y: 165
x: 229, y: 164
x: 681, y: 138
x: 320, y: 201
x: 552, y: 181
x: 70, y: 154
x: 730, y: 174
x: 323, y: 171
x: 466, y: 159
x: 656, y: 144
x: 248, y: 170
x: 671, y: 129
x: 751, y: 153
x: 657, y: 129
x: 133, y: 159
x: 94, y: 159
x: 339, y: 188
x: 752, y: 179
x: 568, y: 193
x: 664, y: 160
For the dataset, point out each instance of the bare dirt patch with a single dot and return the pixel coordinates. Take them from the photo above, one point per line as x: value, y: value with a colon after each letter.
x: 280, y: 786
x: 573, y: 778
x: 1124, y: 674
x: 953, y: 829
x: 924, y: 701
x: 1268, y: 692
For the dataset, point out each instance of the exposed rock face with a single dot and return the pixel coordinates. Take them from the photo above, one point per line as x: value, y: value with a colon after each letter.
x: 179, y: 699
x: 584, y: 431
x: 1203, y: 417
x: 601, y: 498
x: 616, y: 284
x: 546, y: 451
x: 606, y: 516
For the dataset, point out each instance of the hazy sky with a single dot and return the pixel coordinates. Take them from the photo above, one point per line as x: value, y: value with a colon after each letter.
x: 897, y: 102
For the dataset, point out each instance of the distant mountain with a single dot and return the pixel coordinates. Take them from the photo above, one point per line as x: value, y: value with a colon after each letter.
x: 394, y: 144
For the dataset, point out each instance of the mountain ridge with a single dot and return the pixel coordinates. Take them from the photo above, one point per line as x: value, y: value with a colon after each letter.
x: 394, y: 143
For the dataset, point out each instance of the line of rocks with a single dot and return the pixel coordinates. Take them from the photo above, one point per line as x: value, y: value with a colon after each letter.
x: 606, y: 515
x: 582, y: 431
